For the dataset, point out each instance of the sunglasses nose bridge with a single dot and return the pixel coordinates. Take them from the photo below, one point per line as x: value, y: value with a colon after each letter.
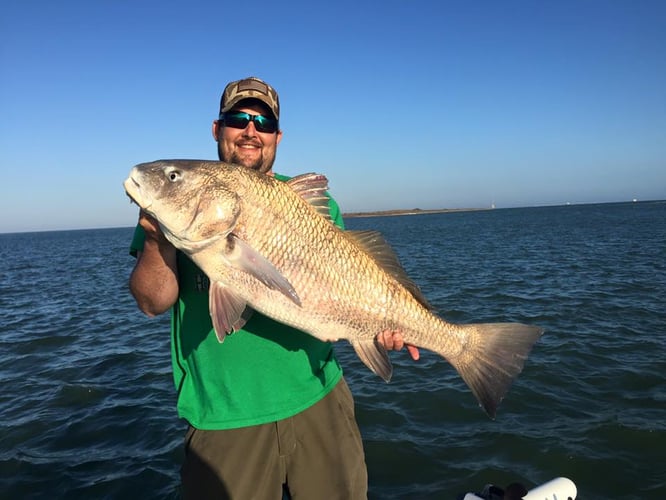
x: 251, y: 123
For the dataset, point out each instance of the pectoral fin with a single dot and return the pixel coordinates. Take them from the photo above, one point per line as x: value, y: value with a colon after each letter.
x: 228, y: 311
x: 374, y: 356
x: 245, y: 258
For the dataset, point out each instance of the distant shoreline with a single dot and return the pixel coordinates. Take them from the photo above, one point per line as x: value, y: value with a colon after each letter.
x: 411, y: 211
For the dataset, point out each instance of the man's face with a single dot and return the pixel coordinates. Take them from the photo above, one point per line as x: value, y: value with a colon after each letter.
x: 247, y: 147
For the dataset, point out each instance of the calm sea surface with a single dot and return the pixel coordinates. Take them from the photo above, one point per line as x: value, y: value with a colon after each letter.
x: 88, y: 405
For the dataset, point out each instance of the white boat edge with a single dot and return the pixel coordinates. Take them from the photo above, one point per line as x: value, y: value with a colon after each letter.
x: 560, y: 488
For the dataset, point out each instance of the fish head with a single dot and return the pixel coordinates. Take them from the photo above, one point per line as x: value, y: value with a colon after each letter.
x: 188, y: 198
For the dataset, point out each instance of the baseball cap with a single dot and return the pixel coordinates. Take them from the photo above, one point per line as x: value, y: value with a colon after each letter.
x: 250, y: 88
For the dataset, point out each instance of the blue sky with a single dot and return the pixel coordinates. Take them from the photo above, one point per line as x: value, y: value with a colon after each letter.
x: 402, y: 104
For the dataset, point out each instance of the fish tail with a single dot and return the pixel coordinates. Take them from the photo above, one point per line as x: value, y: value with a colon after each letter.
x: 493, y: 355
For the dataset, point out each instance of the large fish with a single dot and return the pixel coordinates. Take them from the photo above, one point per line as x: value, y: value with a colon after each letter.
x: 270, y: 246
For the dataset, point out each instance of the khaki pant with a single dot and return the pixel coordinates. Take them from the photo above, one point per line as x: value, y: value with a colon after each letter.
x: 317, y: 454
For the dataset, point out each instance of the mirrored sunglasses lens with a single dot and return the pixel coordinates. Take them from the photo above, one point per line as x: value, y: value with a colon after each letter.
x: 265, y: 124
x: 239, y: 120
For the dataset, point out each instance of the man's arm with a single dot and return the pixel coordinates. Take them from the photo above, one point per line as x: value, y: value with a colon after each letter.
x: 154, y: 280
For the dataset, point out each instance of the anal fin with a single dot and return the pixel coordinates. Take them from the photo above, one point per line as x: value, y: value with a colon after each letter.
x: 374, y: 356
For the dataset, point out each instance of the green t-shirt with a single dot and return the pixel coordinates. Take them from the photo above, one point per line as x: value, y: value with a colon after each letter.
x: 265, y: 372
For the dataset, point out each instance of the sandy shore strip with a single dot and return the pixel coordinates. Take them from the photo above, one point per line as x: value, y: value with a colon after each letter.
x: 413, y: 211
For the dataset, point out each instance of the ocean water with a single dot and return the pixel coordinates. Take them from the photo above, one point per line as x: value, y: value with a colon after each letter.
x: 88, y: 405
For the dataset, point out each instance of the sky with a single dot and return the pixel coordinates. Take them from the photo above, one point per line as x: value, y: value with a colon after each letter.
x: 400, y: 103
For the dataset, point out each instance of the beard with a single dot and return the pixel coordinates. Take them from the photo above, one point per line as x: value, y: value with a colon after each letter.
x: 260, y: 164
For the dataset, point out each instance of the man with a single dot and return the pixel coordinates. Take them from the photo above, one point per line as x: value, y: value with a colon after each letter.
x: 268, y: 409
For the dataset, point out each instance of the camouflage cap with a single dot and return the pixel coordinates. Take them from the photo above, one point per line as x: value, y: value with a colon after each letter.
x: 250, y: 88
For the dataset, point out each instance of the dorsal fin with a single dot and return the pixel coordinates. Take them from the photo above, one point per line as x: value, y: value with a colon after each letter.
x: 312, y: 188
x: 376, y: 246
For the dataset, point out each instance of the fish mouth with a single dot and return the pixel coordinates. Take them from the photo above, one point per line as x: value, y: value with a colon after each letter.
x: 136, y: 195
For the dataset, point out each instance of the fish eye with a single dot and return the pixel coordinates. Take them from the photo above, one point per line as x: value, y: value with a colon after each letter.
x: 173, y: 174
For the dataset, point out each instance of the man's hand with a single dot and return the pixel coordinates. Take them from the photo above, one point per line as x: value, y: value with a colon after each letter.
x: 151, y: 226
x: 393, y: 342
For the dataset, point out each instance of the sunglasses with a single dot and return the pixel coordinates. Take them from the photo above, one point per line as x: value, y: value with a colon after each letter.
x: 241, y: 120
